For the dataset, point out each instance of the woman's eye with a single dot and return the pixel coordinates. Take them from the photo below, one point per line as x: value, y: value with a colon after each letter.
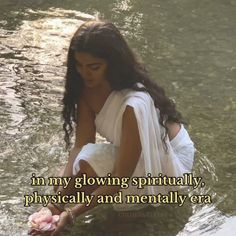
x: 94, y: 67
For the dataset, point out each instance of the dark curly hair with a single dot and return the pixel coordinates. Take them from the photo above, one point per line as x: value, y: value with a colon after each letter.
x: 102, y: 39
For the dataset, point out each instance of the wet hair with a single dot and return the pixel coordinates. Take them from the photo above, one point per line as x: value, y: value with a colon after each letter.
x: 103, y: 40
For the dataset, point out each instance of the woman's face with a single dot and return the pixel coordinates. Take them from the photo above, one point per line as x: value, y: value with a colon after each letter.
x: 92, y: 69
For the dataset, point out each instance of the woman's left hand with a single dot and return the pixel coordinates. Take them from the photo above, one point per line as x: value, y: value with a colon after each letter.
x: 63, y: 221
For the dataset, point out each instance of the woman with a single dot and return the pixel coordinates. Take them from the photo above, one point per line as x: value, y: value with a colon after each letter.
x: 109, y: 91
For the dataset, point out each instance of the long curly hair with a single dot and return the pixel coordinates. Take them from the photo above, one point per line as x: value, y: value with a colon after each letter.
x: 103, y: 40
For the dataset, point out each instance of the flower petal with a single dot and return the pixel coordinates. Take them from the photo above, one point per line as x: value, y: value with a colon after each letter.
x: 45, y: 227
x: 55, y: 218
x: 41, y: 220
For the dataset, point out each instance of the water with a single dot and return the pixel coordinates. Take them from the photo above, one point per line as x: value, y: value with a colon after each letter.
x: 189, y: 49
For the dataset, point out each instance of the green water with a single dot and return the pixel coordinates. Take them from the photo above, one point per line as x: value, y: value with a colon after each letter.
x: 188, y: 47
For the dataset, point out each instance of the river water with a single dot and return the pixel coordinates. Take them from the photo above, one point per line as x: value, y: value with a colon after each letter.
x: 188, y: 47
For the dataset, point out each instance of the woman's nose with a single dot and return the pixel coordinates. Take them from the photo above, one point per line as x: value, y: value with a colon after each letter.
x: 85, y: 73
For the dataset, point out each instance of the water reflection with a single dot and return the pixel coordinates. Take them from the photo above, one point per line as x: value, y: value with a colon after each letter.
x: 184, y: 43
x: 31, y: 82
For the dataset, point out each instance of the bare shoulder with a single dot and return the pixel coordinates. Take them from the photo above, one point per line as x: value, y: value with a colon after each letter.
x: 85, y: 128
x: 173, y: 129
x: 129, y: 115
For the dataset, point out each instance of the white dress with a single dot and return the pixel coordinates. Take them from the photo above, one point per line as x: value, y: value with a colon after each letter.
x: 153, y: 159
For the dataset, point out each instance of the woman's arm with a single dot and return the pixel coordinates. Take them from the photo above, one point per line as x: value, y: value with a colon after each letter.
x: 85, y: 133
x: 126, y: 161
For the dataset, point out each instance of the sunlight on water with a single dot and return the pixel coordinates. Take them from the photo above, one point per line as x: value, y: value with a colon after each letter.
x: 31, y: 87
x: 32, y: 68
x: 205, y: 217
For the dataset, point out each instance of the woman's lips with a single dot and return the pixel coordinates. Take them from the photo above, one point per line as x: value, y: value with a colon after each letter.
x: 88, y: 80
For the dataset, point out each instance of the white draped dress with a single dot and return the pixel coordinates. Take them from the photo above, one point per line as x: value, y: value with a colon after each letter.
x: 154, y: 160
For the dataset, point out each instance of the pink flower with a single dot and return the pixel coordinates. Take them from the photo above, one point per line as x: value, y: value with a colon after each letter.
x: 43, y: 220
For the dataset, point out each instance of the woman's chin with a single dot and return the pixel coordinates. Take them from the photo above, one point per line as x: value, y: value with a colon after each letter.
x: 89, y: 83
